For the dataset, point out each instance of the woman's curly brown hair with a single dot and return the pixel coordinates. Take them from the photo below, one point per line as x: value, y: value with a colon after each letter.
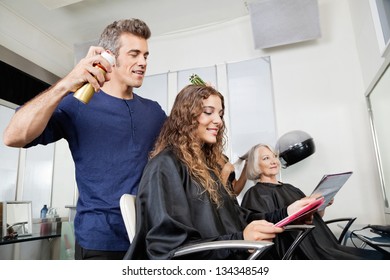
x: 179, y: 132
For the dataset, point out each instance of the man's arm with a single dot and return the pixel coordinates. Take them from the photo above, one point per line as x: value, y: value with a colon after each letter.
x: 31, y: 119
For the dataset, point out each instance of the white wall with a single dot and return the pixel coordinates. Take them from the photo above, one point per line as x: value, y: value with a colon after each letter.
x: 366, y: 40
x: 327, y: 79
x: 65, y: 193
x: 318, y: 87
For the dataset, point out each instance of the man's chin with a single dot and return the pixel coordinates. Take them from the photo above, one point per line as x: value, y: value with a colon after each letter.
x: 137, y: 85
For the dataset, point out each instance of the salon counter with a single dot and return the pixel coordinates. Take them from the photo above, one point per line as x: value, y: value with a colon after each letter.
x: 28, y: 238
x: 43, y: 244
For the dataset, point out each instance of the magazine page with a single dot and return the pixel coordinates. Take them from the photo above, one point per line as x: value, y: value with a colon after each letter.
x: 329, y: 185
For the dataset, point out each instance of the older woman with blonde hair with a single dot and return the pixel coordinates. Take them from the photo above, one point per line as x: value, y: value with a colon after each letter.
x: 269, y: 194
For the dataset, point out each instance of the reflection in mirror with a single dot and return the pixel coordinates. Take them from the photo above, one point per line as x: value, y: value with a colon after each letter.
x: 378, y: 102
x: 17, y: 219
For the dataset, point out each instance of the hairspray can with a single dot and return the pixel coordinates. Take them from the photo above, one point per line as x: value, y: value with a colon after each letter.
x: 85, y: 93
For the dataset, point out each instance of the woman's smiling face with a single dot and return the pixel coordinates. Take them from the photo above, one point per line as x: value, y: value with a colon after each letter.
x: 269, y: 163
x: 210, y: 121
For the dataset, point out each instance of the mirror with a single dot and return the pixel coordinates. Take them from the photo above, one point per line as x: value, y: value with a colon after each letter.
x: 17, y: 218
x: 378, y: 101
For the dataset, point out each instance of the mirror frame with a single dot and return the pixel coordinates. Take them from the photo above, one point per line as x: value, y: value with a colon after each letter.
x: 371, y: 111
x: 29, y: 216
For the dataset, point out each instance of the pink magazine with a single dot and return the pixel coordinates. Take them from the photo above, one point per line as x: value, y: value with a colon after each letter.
x: 301, y: 212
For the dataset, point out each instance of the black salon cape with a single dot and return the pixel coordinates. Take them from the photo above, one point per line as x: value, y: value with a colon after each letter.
x: 172, y: 210
x: 320, y: 244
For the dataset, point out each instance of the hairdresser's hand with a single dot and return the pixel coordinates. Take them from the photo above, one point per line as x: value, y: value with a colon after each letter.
x: 86, y: 72
x: 227, y: 169
x: 261, y: 230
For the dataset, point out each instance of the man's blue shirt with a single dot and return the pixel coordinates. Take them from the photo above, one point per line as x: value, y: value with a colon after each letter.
x: 110, y: 139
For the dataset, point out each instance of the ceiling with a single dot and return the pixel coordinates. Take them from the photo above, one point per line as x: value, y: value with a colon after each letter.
x: 47, y: 31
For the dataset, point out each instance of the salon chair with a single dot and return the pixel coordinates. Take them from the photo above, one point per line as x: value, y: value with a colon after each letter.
x: 348, y: 222
x: 127, y: 206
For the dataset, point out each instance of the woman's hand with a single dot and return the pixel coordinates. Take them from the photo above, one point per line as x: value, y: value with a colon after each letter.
x: 322, y: 212
x: 330, y: 202
x: 261, y: 230
x: 295, y: 206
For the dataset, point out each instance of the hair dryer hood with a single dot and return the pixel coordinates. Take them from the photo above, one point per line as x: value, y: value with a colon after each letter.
x: 294, y: 146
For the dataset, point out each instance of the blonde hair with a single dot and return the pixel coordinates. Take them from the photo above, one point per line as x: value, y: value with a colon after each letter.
x: 253, y: 171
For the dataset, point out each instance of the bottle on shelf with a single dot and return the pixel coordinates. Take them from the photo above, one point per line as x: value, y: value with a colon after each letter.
x: 44, y: 211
